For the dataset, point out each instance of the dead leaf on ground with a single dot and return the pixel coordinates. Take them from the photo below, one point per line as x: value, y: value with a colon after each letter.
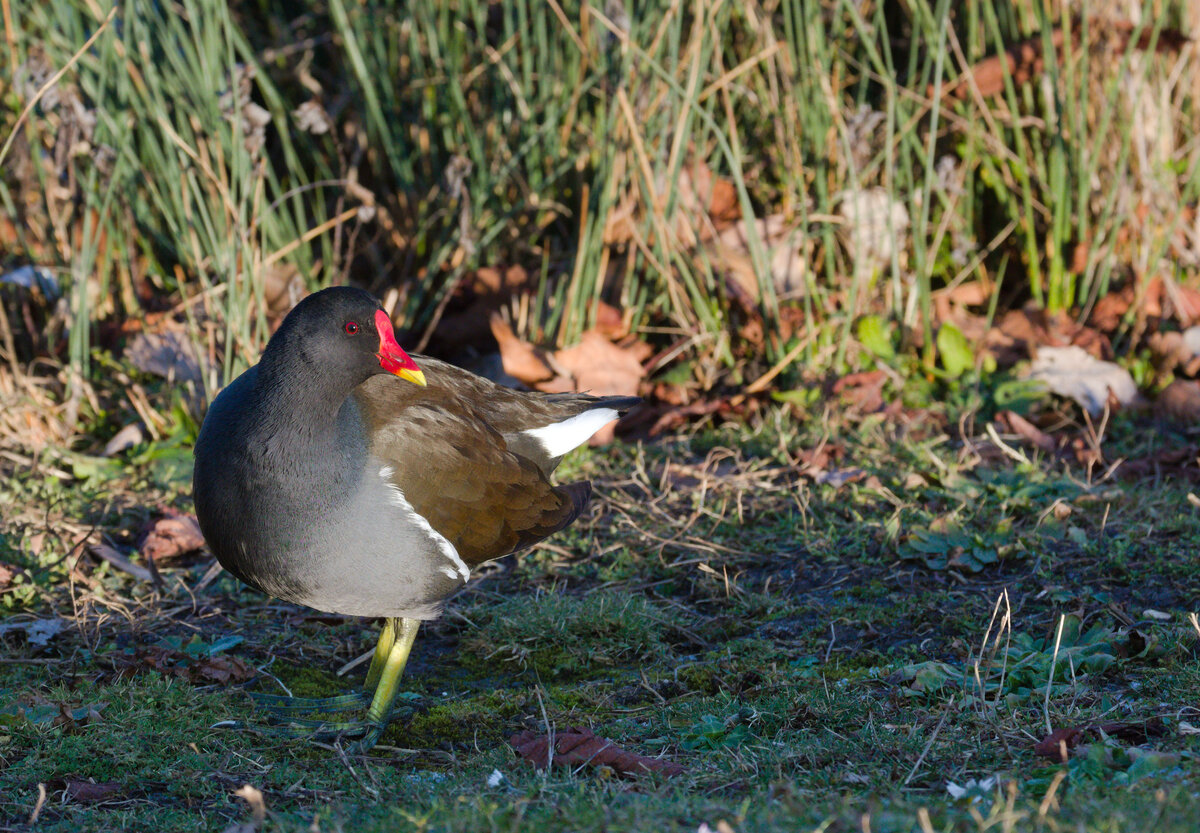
x: 197, y: 670
x: 37, y: 631
x: 863, y: 391
x: 81, y: 791
x: 1058, y: 744
x: 1017, y: 424
x: 283, y: 288
x: 168, y: 354
x: 1020, y: 333
x: 786, y: 251
x: 1075, y: 374
x: 1026, y: 59
x: 258, y: 810
x: 1182, y: 462
x: 472, y: 303
x: 599, y: 367
x: 175, y: 534
x: 1180, y: 402
x: 521, y: 359
x: 610, y: 321
x: 7, y: 573
x: 581, y: 747
x: 1158, y: 299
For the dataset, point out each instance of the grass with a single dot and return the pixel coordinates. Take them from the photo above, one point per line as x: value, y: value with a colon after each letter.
x: 833, y: 621
x: 223, y: 149
x: 780, y: 638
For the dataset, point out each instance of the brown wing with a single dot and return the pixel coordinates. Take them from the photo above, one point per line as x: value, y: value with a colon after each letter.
x: 458, y: 472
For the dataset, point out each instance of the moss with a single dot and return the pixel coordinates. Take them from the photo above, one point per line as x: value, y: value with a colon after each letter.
x: 558, y: 635
x: 455, y: 722
x: 310, y: 681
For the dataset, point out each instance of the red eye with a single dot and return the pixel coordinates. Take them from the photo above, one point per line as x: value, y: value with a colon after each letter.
x: 351, y: 328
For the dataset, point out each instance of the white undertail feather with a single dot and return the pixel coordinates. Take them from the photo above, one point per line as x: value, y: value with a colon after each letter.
x: 460, y: 569
x: 560, y: 437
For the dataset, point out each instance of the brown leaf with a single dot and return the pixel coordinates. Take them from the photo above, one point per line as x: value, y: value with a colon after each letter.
x: 610, y: 321
x: 1111, y: 309
x: 492, y: 280
x: 220, y: 670
x: 1026, y: 59
x: 168, y: 354
x: 580, y: 747
x: 601, y: 368
x: 1019, y: 334
x: 80, y: 791
x: 785, y: 249
x: 862, y: 390
x: 1180, y: 402
x: 1028, y: 431
x: 474, y: 300
x: 673, y: 417
x: 521, y: 359
x: 176, y: 534
x: 1058, y: 743
x: 7, y: 573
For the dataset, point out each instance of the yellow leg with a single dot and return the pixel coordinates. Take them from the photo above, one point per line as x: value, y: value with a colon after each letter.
x: 387, y: 638
x: 404, y: 633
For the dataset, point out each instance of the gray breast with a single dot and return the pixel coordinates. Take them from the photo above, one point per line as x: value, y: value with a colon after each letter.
x: 379, y: 557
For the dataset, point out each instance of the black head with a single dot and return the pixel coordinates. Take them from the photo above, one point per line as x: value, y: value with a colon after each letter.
x: 341, y: 334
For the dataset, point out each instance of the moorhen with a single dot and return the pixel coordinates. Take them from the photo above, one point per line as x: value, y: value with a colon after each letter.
x: 338, y: 475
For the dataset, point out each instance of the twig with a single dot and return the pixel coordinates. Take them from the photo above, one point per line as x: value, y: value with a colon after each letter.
x: 106, y: 553
x: 1062, y: 619
x: 37, y: 808
x: 932, y: 738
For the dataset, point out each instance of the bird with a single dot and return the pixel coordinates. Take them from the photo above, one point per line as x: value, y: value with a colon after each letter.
x: 342, y: 474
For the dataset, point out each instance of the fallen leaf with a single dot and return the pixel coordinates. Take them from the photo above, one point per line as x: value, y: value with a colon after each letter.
x: 521, y: 359
x: 258, y: 810
x: 873, y: 223
x: 7, y: 573
x: 1073, y: 373
x: 610, y: 321
x: 580, y: 747
x: 784, y: 246
x: 863, y: 391
x: 1183, y: 462
x: 283, y: 288
x: 127, y: 437
x: 466, y: 322
x: 1058, y: 744
x: 654, y: 419
x: 168, y: 354
x: 1026, y: 59
x: 1021, y: 333
x: 176, y: 534
x: 79, y: 791
x: 37, y: 631
x: 601, y: 368
x: 1180, y: 402
x: 198, y: 670
x: 1028, y: 431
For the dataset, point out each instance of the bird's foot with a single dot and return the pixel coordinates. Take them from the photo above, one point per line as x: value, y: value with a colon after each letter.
x: 314, y: 718
x: 281, y: 706
x: 359, y: 735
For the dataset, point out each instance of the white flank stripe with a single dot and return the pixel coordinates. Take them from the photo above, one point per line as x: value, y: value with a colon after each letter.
x: 460, y: 569
x: 560, y: 437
